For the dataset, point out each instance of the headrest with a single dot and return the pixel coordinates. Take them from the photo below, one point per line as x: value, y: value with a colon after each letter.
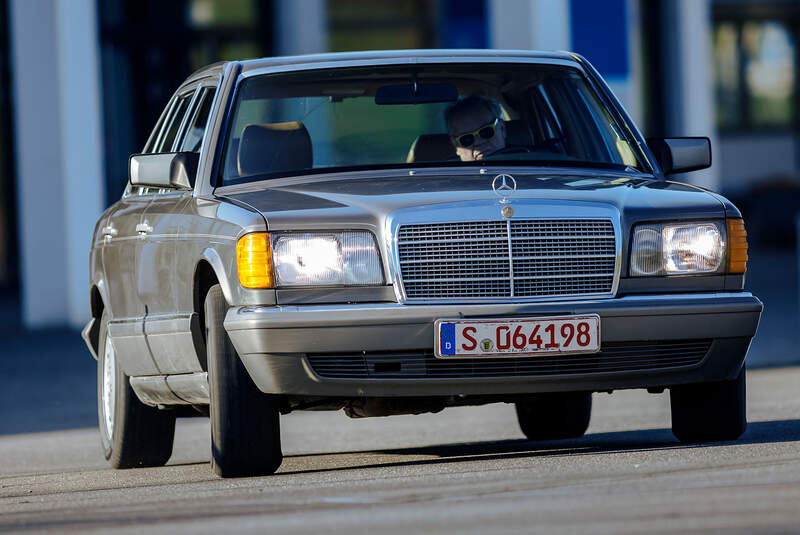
x: 431, y: 148
x: 273, y: 147
x: 518, y: 133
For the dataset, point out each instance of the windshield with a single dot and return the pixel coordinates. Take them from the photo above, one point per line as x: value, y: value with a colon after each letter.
x: 420, y: 115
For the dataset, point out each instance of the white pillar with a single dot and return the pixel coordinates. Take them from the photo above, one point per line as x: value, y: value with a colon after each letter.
x: 529, y: 24
x: 301, y: 27
x: 60, y: 188
x: 689, y: 77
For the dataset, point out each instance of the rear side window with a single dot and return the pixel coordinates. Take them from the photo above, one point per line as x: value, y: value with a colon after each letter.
x: 197, y: 124
x: 151, y: 141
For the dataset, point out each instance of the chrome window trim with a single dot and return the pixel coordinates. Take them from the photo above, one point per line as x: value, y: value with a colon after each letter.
x: 483, y: 211
x: 159, y: 126
x: 200, y: 97
x: 197, y: 86
x: 167, y: 121
x: 191, y: 93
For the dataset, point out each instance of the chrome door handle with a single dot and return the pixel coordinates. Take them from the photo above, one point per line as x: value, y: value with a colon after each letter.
x: 109, y: 232
x: 144, y: 229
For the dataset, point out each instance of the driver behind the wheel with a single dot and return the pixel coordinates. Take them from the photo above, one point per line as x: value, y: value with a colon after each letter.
x: 476, y: 127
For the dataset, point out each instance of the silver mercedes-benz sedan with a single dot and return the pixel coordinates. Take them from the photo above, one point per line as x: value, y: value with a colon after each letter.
x: 401, y: 232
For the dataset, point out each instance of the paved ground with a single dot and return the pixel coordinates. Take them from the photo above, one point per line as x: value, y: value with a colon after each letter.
x: 465, y: 470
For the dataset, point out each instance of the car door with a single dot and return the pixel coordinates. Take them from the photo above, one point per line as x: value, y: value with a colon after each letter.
x: 122, y: 255
x: 173, y: 336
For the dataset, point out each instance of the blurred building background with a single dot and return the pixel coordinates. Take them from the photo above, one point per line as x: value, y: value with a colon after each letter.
x: 83, y: 81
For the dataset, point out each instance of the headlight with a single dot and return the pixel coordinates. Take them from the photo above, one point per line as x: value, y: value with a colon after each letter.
x: 326, y: 259
x: 678, y: 249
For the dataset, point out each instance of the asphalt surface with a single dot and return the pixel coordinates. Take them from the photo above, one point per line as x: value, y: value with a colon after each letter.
x: 465, y: 470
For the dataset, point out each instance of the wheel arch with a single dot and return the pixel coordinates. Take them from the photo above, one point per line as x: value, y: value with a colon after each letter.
x: 97, y: 304
x: 208, y: 272
x: 211, y: 263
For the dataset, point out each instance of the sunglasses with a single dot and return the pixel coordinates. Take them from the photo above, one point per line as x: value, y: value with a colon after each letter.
x: 468, y: 139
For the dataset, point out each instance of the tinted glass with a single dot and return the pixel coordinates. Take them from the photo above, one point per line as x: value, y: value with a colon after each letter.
x: 194, y: 132
x: 174, y: 123
x: 329, y: 119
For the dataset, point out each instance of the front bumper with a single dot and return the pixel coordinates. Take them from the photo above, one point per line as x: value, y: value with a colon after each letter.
x: 273, y: 342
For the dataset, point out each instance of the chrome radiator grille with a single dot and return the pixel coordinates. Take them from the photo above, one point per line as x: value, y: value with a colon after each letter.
x: 507, y: 259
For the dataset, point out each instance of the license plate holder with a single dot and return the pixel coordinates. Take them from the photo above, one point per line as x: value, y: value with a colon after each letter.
x: 503, y: 337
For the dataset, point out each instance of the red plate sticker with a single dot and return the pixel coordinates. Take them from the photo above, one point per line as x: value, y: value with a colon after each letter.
x: 517, y: 337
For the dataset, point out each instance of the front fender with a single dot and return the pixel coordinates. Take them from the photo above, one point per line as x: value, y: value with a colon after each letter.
x: 212, y: 257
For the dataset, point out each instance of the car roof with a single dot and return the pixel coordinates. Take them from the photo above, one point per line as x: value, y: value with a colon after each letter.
x: 384, y: 56
x: 403, y: 56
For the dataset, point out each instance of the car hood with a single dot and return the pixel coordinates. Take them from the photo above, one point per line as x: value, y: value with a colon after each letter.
x: 364, y: 200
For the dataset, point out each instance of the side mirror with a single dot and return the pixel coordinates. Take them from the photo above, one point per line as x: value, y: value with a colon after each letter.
x: 176, y: 170
x: 681, y: 154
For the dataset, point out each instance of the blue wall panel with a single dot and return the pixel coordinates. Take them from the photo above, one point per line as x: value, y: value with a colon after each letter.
x: 600, y: 34
x: 463, y: 24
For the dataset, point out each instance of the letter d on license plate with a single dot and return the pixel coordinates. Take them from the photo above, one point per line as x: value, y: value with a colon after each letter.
x: 518, y: 337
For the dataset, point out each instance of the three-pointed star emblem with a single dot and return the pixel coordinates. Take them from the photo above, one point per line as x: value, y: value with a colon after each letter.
x: 504, y: 186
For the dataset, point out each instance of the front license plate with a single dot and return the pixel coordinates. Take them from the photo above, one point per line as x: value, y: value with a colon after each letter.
x: 517, y: 337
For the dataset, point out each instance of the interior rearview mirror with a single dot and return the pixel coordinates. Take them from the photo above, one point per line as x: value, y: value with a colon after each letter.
x: 416, y: 93
x: 174, y: 170
x: 681, y: 154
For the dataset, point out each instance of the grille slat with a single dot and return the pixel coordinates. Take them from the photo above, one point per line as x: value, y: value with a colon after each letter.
x: 613, y: 357
x: 467, y: 239
x: 545, y: 258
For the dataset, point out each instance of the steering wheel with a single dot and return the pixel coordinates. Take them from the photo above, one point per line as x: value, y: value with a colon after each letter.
x: 553, y: 144
x: 509, y: 149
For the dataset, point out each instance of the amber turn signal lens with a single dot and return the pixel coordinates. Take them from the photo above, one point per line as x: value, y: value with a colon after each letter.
x: 254, y: 260
x: 737, y: 246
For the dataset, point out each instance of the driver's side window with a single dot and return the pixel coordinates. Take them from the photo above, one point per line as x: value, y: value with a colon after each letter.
x: 165, y: 133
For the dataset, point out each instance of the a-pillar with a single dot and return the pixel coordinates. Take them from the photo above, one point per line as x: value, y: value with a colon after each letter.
x: 604, y: 32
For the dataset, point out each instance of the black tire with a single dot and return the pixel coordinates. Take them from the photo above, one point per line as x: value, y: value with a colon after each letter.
x: 555, y: 416
x: 245, y: 425
x: 710, y: 412
x: 138, y: 435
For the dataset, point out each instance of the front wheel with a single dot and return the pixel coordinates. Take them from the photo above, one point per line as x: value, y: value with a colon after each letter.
x: 132, y: 434
x: 555, y: 416
x: 245, y: 426
x: 709, y: 412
